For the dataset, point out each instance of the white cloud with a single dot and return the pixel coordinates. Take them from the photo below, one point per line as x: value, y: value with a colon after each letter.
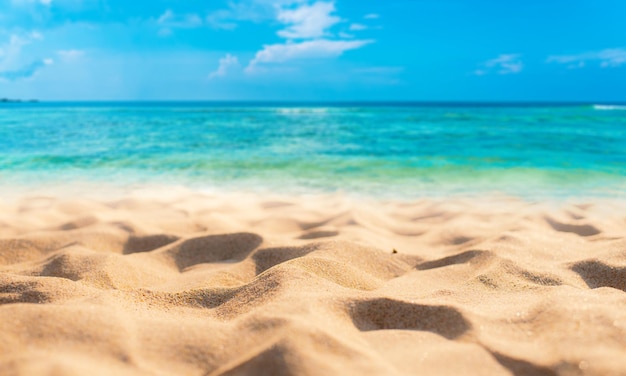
x: 307, y: 21
x: 307, y: 28
x: 166, y: 16
x: 221, y: 19
x: 26, y: 2
x: 357, y: 27
x: 247, y: 10
x: 226, y: 63
x: 371, y: 16
x: 580, y: 64
x: 318, y: 48
x: 12, y: 65
x: 11, y: 51
x: 25, y: 71
x: 35, y: 35
x: 503, y: 64
x: 170, y: 20
x: 608, y: 58
x: 69, y: 55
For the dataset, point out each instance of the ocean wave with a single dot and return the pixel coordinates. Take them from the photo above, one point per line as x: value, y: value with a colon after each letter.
x: 300, y: 110
x: 606, y: 107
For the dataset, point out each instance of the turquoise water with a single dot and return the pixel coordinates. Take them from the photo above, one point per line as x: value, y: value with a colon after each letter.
x: 388, y: 150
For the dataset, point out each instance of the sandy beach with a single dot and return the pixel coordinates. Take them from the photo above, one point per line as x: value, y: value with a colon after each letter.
x: 312, y: 187
x: 208, y: 284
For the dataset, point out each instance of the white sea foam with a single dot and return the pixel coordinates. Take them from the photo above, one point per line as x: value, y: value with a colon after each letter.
x: 302, y: 110
x: 606, y: 107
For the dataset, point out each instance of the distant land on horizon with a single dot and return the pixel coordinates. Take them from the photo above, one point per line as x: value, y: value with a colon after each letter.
x: 11, y: 100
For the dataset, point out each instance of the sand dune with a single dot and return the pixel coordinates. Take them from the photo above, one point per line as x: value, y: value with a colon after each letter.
x: 236, y: 284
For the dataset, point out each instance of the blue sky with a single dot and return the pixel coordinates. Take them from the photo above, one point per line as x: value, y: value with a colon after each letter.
x: 428, y: 50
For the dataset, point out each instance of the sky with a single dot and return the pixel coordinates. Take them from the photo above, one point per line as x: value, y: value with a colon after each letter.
x: 310, y: 50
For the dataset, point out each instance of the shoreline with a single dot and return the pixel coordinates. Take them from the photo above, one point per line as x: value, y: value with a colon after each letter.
x: 110, y: 190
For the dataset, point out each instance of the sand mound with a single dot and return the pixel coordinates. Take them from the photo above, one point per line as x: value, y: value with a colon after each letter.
x: 207, y: 285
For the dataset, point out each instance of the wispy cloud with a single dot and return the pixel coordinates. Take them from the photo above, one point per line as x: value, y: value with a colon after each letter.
x: 503, y: 64
x: 24, y: 2
x: 308, y: 21
x: 226, y: 63
x: 12, y: 66
x: 170, y: 20
x: 247, y: 10
x: 25, y: 71
x: 371, y: 16
x: 608, y: 58
x: 318, y: 48
x: 69, y: 55
x: 357, y: 27
x: 221, y: 19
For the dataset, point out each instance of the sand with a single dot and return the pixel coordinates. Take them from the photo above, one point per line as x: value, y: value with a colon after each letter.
x: 201, y: 284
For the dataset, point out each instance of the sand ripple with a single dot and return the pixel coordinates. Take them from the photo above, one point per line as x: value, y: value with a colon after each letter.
x: 208, y: 285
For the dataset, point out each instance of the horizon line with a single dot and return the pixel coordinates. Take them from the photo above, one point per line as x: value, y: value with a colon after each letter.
x: 290, y: 101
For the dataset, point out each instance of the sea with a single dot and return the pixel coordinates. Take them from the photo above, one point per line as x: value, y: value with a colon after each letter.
x: 399, y: 150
